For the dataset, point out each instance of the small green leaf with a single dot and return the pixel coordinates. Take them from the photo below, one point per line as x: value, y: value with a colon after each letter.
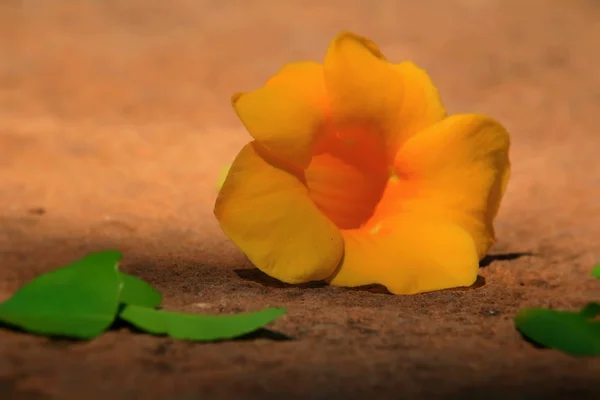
x: 570, y: 332
x: 138, y: 292
x: 596, y: 271
x: 79, y: 300
x: 198, y: 327
x: 591, y: 310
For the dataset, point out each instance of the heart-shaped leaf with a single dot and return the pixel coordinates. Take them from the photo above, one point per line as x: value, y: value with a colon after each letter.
x: 137, y: 292
x: 79, y: 300
x: 591, y: 310
x: 198, y: 327
x: 571, y: 332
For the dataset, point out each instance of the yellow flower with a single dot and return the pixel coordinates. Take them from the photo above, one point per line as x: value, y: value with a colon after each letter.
x: 356, y: 176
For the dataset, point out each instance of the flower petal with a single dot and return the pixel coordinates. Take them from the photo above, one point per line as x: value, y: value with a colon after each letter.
x: 222, y: 175
x: 364, y: 88
x: 267, y: 212
x: 412, y: 256
x: 305, y: 79
x: 455, y: 171
x: 285, y: 115
x: 421, y: 104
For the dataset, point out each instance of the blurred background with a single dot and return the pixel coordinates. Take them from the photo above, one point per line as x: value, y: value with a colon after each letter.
x: 136, y: 93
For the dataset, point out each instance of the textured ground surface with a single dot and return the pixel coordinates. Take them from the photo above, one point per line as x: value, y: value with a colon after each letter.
x: 115, y: 118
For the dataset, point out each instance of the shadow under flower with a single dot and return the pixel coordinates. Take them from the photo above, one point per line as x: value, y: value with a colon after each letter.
x: 490, y: 258
x: 257, y: 276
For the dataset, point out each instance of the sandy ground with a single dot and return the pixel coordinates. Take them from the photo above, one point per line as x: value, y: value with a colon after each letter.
x: 115, y: 119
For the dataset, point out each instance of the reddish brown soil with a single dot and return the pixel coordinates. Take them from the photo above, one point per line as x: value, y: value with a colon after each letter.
x: 115, y: 118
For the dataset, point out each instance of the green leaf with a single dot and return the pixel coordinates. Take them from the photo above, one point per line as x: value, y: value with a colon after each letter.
x: 596, y: 271
x: 198, y: 327
x: 591, y: 310
x: 570, y: 332
x: 138, y: 292
x: 79, y: 300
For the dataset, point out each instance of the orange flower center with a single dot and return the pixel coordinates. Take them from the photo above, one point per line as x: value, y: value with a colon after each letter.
x: 348, y: 175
